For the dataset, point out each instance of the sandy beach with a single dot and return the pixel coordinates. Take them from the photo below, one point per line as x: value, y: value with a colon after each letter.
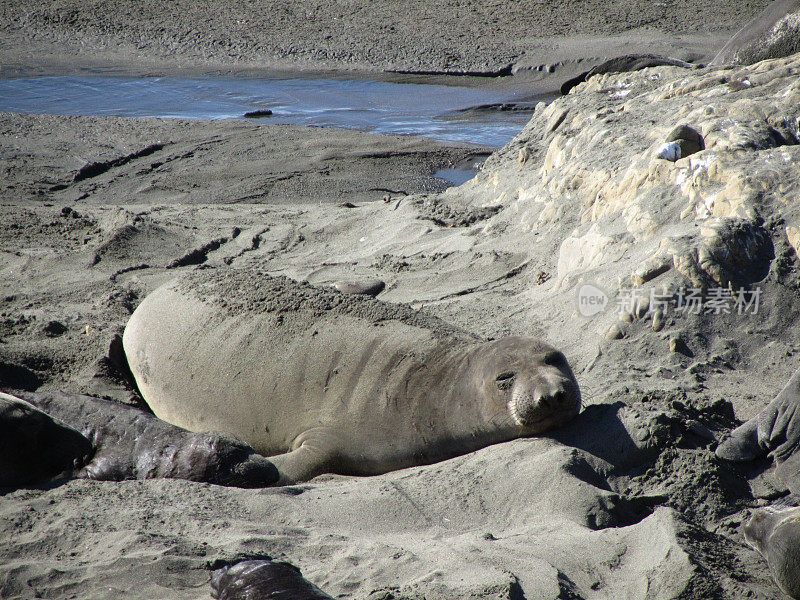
x: 628, y: 500
x: 385, y: 39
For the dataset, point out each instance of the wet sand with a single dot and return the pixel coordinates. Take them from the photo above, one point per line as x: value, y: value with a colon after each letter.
x: 543, y: 43
x: 179, y: 161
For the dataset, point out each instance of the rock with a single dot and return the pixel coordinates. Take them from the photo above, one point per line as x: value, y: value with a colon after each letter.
x: 54, y: 329
x: 68, y: 212
x: 681, y: 142
x: 670, y: 151
x: 793, y: 236
x: 658, y: 322
x: 689, y: 140
x: 615, y: 332
x: 678, y: 346
x: 368, y: 287
x: 650, y: 269
x: 257, y: 114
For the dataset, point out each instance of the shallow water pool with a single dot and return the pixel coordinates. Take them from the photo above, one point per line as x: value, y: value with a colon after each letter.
x: 380, y: 107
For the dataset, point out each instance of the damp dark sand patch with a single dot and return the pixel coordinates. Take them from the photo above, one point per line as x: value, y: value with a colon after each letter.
x: 117, y: 160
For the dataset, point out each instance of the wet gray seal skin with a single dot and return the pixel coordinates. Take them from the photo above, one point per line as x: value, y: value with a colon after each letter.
x: 776, y: 536
x: 774, y: 431
x: 624, y: 64
x: 263, y: 580
x: 34, y: 447
x: 773, y: 33
x: 117, y: 442
x: 323, y: 382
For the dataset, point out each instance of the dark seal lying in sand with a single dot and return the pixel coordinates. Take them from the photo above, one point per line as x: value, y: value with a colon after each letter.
x: 623, y: 64
x: 262, y: 580
x: 51, y: 436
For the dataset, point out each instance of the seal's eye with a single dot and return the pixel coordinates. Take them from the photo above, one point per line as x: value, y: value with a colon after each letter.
x: 505, y: 379
x: 554, y: 359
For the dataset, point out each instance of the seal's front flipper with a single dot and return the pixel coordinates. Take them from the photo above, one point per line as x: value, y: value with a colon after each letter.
x: 775, y: 430
x: 314, y: 452
x: 784, y: 438
x: 788, y: 473
x: 743, y: 444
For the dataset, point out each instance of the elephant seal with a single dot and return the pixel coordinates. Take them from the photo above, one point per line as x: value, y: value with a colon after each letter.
x: 53, y: 436
x: 773, y: 33
x: 324, y: 382
x: 774, y: 431
x: 624, y: 64
x: 776, y: 536
x: 34, y: 447
x: 262, y: 580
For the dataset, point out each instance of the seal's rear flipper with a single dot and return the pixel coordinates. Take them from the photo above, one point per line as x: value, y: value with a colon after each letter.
x: 743, y: 444
x: 775, y: 430
x: 314, y: 452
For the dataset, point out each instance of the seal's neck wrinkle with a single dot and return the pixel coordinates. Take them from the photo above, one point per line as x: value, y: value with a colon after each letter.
x: 461, y: 407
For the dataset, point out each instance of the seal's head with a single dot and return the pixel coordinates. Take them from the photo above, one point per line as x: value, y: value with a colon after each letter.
x: 756, y: 528
x: 35, y: 447
x: 531, y: 381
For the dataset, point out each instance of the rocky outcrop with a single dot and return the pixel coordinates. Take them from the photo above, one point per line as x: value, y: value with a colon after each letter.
x: 594, y: 160
x: 668, y: 184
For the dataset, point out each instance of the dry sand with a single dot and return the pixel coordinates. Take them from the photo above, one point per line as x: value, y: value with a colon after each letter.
x: 628, y: 501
